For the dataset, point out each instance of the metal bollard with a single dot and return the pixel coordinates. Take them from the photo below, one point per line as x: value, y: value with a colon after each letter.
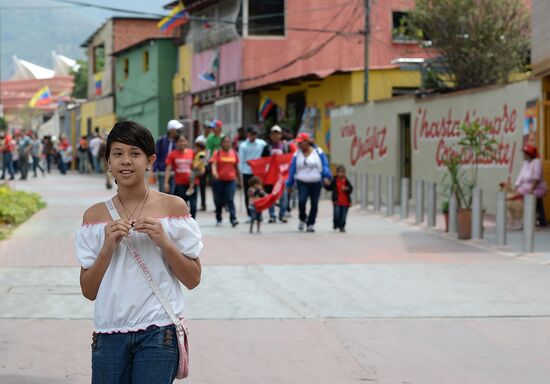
x: 419, y: 201
x: 529, y: 223
x: 501, y: 218
x: 390, y: 204
x: 357, y: 191
x: 432, y: 201
x: 477, y: 214
x: 377, y: 192
x: 453, y: 207
x: 405, y: 185
x: 364, y: 190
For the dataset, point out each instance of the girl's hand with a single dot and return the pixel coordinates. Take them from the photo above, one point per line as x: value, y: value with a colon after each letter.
x: 153, y: 228
x: 115, y: 232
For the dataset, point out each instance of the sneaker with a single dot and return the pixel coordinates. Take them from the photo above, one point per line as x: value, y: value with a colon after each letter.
x: 234, y: 223
x: 272, y: 220
x: 342, y: 229
x: 301, y: 226
x: 218, y: 223
x: 283, y: 220
x: 310, y: 228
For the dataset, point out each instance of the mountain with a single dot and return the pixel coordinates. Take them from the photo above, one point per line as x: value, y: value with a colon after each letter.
x: 32, y: 29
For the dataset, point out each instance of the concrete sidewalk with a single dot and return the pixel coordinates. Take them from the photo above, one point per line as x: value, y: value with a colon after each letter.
x: 387, y: 302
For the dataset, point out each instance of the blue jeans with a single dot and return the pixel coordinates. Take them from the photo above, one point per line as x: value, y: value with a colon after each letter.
x: 62, y: 166
x: 7, y: 164
x: 311, y: 191
x: 96, y: 164
x: 149, y: 356
x: 181, y: 190
x: 339, y: 216
x: 160, y: 179
x: 283, y: 203
x: 224, y: 195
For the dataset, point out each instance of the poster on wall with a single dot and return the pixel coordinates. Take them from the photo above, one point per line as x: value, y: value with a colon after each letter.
x: 311, y: 121
x: 530, y: 123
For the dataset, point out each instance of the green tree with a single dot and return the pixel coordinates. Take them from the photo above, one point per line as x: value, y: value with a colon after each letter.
x: 3, y: 124
x: 80, y: 90
x: 482, y: 41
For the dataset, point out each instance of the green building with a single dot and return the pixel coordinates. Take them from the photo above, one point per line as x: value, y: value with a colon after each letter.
x: 143, y: 91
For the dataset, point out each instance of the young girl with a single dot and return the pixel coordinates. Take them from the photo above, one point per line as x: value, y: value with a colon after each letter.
x: 341, y: 198
x: 134, y: 339
x: 255, y: 191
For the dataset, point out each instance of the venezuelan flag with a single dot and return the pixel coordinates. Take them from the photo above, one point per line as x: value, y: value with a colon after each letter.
x: 265, y: 107
x: 175, y: 18
x: 98, y: 77
x: 42, y: 97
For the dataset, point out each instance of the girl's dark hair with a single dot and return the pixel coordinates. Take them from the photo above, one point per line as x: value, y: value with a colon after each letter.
x: 253, y: 181
x: 180, y: 135
x: 131, y: 133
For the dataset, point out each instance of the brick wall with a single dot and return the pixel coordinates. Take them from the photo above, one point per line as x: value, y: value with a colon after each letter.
x: 130, y: 31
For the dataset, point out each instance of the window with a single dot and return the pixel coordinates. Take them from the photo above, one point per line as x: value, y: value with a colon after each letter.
x: 266, y: 18
x: 126, y: 67
x: 145, y: 61
x: 402, y: 31
x: 99, y: 58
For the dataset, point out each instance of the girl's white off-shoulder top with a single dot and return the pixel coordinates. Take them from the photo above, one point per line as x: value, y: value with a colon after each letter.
x: 125, y: 302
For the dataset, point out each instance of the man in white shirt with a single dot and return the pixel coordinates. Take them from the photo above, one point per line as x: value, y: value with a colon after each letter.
x: 250, y: 149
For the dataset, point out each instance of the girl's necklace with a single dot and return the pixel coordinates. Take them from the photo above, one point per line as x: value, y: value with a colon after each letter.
x: 130, y: 216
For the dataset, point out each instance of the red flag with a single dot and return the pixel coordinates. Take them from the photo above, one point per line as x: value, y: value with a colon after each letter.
x: 268, y: 201
x: 268, y: 168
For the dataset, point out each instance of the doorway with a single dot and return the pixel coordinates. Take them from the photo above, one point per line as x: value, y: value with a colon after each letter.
x: 295, y: 105
x: 405, y: 153
x: 543, y: 138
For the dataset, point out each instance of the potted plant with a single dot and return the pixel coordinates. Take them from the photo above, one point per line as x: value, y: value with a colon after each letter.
x: 477, y: 144
x: 445, y: 211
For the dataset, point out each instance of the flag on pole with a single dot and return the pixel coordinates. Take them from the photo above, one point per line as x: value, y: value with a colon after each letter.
x: 178, y: 16
x: 264, y: 109
x: 42, y: 97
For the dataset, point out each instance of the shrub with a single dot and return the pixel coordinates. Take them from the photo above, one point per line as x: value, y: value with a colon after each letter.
x: 18, y: 206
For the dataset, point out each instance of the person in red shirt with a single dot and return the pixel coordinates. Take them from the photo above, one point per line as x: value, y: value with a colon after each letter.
x: 7, y: 145
x: 225, y: 173
x: 181, y: 160
x: 341, y: 198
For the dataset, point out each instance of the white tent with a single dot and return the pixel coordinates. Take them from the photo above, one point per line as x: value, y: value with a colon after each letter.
x: 25, y: 70
x: 62, y: 65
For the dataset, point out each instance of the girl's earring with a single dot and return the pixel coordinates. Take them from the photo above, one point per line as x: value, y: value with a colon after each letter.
x: 148, y: 169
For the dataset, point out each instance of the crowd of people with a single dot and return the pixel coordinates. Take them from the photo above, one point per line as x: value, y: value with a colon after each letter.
x: 23, y: 152
x: 222, y: 162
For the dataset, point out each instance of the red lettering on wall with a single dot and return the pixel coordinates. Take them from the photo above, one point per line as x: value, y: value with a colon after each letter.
x: 373, y: 145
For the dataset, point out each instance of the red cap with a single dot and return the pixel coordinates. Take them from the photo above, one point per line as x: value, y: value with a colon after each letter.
x: 531, y: 150
x: 303, y: 137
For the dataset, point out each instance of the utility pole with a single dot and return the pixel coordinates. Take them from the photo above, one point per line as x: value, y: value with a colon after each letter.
x: 367, y: 33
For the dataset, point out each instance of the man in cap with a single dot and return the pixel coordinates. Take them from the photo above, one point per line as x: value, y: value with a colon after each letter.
x: 250, y: 149
x: 164, y: 145
x: 277, y: 146
x: 214, y: 139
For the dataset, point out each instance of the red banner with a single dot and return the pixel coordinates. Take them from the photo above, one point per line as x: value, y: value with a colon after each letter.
x: 267, y: 170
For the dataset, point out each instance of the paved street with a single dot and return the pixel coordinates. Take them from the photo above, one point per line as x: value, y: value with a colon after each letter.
x: 387, y: 302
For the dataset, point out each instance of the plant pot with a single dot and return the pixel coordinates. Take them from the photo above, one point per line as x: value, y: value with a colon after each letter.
x: 464, y: 223
x: 446, y: 216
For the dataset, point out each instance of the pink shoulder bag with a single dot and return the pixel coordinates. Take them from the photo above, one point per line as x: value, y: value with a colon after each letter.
x: 180, y: 323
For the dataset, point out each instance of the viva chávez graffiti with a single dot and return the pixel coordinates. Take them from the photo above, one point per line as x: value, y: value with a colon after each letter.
x: 372, y: 145
x: 446, y: 132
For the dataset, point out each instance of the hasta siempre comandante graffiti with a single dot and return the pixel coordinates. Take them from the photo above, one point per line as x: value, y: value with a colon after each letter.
x: 446, y: 132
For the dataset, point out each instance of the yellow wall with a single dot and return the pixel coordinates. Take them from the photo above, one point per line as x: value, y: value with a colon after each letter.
x: 104, y: 122
x: 342, y: 89
x: 182, y: 79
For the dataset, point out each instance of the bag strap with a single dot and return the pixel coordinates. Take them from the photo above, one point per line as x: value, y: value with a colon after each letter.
x: 143, y: 267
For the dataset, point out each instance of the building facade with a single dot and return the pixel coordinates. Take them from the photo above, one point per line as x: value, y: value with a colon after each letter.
x: 114, y: 35
x: 302, y: 56
x: 145, y: 73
